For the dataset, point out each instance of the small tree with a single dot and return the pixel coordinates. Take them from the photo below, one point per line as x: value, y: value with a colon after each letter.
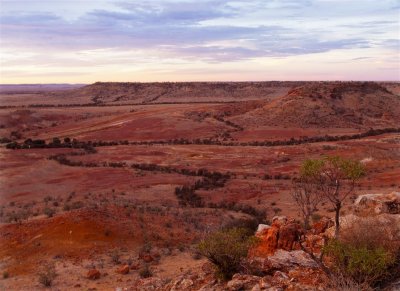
x: 226, y: 249
x: 306, y: 197
x: 335, y: 179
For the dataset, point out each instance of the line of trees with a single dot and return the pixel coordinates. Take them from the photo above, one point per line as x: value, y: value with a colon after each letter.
x: 100, y: 104
x: 56, y: 143
x: 65, y: 143
x: 229, y: 123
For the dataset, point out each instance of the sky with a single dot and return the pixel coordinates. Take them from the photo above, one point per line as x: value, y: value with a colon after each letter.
x: 198, y: 40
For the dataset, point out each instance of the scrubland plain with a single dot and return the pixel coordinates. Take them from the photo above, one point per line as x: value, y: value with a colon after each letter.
x: 111, y: 174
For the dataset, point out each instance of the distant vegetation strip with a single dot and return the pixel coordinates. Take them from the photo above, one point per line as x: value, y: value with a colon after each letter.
x: 73, y: 143
x: 109, y: 104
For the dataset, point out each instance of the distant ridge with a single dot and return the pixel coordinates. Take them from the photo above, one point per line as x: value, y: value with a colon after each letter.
x: 9, y: 88
x: 114, y: 92
x: 326, y: 104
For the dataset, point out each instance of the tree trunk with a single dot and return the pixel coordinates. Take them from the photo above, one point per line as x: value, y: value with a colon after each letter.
x: 338, y: 206
x: 307, y: 221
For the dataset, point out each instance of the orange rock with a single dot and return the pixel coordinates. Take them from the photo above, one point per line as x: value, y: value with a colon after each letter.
x: 322, y: 225
x: 93, y: 274
x: 123, y: 269
x: 314, y: 243
x: 268, y: 241
x: 289, y: 236
x: 147, y: 258
x: 281, y: 235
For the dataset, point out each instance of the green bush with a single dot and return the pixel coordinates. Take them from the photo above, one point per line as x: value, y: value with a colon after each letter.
x: 226, y: 250
x: 360, y: 263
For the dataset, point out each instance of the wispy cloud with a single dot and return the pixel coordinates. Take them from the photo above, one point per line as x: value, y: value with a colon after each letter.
x: 212, y: 31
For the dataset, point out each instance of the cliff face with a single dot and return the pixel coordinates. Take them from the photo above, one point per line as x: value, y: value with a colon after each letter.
x: 120, y: 93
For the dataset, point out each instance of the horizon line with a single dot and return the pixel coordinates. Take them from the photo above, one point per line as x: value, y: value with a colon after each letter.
x: 199, y: 81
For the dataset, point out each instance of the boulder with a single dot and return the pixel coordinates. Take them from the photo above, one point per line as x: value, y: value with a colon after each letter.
x: 182, y: 284
x: 308, y: 279
x: 279, y: 220
x: 123, y: 270
x: 280, y: 279
x: 149, y: 284
x: 262, y: 227
x: 285, y: 260
x: 93, y: 274
x: 268, y: 241
x: 135, y: 266
x: 375, y: 204
x: 282, y: 234
x: 242, y: 282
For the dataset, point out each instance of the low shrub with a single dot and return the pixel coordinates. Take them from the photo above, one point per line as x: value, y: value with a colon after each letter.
x: 339, y: 282
x: 145, y: 272
x: 47, y: 275
x: 362, y: 264
x: 226, y: 249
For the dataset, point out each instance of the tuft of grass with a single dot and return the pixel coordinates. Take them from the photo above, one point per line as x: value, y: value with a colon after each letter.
x: 145, y: 272
x: 115, y: 257
x: 49, y: 211
x: 47, y: 275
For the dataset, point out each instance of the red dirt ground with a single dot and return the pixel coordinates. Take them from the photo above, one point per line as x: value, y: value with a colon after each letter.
x: 126, y: 208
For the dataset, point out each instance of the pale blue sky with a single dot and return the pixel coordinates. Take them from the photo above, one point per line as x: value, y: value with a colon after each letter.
x: 171, y: 40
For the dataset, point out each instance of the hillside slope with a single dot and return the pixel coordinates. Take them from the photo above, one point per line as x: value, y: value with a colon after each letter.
x: 326, y: 104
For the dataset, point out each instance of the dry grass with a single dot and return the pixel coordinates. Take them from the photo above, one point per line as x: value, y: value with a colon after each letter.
x: 373, y: 233
x: 342, y: 283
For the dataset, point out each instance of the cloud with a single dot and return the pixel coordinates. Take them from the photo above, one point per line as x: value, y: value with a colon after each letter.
x: 179, y: 26
x: 147, y: 33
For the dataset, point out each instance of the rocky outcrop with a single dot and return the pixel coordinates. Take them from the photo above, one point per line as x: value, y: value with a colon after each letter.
x: 181, y: 283
x: 262, y: 227
x: 375, y: 204
x: 93, y: 274
x: 149, y: 284
x: 285, y: 260
x: 242, y: 282
x: 282, y: 234
x: 322, y: 225
x: 281, y: 260
x: 289, y: 236
x: 296, y: 279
